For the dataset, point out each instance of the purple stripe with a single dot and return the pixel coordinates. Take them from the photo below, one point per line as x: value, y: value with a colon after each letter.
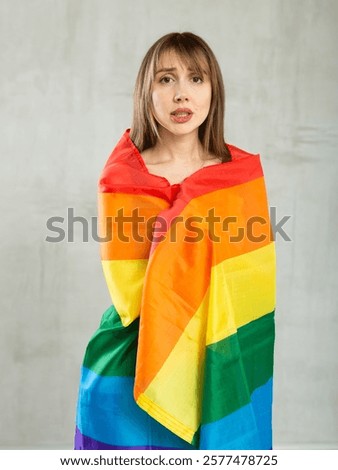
x: 82, y: 442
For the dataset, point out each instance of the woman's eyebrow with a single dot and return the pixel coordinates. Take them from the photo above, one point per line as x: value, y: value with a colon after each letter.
x: 172, y: 69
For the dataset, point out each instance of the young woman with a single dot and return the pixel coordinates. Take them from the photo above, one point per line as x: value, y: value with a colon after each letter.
x: 183, y: 358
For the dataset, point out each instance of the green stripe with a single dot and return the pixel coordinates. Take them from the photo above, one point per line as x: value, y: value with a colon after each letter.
x: 112, y: 349
x: 236, y: 366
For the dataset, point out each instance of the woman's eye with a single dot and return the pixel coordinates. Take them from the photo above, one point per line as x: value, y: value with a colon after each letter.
x: 197, y: 79
x: 165, y: 80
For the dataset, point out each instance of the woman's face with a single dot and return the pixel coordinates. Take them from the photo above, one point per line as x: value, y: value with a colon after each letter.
x: 181, y: 98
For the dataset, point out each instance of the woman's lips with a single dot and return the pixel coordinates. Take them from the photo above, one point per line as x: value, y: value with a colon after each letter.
x: 181, y: 115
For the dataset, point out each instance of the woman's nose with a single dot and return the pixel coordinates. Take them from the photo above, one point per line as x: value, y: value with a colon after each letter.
x: 180, y: 94
x: 179, y: 98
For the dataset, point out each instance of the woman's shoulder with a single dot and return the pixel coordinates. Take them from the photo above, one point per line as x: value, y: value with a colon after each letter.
x: 238, y: 153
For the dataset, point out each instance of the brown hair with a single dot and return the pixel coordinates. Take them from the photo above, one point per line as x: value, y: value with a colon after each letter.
x: 194, y: 52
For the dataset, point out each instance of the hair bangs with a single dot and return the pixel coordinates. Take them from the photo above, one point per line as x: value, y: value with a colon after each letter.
x: 189, y: 53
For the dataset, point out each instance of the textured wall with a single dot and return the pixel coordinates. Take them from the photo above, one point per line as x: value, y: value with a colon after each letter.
x: 68, y: 69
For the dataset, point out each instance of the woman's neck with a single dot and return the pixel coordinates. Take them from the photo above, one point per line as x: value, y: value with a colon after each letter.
x: 178, y: 148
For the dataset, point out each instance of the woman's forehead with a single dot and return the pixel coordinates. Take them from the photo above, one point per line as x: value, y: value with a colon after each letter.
x: 170, y: 59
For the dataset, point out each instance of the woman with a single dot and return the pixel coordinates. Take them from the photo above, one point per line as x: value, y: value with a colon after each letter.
x: 183, y: 359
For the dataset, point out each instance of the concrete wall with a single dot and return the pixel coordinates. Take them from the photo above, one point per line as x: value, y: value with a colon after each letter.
x: 68, y: 70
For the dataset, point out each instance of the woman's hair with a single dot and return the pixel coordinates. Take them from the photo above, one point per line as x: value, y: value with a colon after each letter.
x: 195, y: 53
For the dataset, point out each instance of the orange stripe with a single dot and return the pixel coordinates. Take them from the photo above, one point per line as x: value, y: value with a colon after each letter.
x: 126, y: 239
x: 180, y: 277
x: 244, y: 227
x: 171, y: 295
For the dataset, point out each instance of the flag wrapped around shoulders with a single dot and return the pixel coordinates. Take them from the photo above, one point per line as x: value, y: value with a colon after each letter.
x: 195, y: 264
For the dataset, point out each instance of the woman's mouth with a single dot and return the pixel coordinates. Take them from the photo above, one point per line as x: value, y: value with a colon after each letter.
x: 181, y: 115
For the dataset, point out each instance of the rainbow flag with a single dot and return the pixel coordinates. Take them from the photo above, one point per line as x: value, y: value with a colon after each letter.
x: 183, y: 358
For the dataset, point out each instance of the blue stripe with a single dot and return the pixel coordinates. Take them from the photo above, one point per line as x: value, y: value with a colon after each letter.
x: 107, y: 413
x: 250, y: 427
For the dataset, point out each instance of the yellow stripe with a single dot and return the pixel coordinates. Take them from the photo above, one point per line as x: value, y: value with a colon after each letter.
x: 242, y: 289
x: 164, y: 418
x: 125, y: 281
x: 176, y: 389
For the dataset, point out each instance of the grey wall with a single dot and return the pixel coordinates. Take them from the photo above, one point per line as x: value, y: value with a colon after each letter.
x: 68, y: 70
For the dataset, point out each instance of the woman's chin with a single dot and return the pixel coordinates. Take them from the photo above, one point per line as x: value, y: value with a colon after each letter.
x: 178, y: 130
